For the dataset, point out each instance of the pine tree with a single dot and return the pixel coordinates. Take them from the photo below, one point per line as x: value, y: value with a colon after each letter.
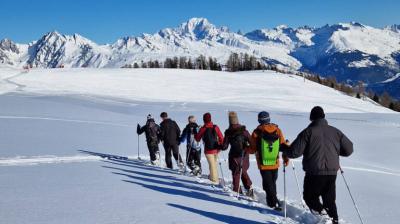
x: 391, y: 106
x: 168, y: 63
x: 385, y: 99
x: 175, y: 62
x: 182, y: 62
x: 190, y: 64
x: 156, y: 64
x: 376, y: 98
x: 233, y: 63
x: 136, y: 65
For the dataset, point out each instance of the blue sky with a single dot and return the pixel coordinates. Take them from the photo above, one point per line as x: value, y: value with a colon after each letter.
x: 105, y: 21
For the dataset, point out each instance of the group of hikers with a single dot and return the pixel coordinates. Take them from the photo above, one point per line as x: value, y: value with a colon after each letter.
x: 320, y: 145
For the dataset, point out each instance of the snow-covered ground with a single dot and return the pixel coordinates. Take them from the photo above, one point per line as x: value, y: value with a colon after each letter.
x: 46, y: 116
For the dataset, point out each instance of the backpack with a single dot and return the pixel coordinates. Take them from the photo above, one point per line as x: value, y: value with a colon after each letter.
x: 210, y: 138
x: 238, y: 143
x: 193, y: 143
x: 153, y: 132
x: 269, y: 148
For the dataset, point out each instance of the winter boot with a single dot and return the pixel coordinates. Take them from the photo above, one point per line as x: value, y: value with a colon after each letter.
x: 250, y: 192
x: 278, y: 207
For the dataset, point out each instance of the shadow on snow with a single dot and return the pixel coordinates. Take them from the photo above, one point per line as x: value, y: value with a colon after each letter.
x: 187, y: 188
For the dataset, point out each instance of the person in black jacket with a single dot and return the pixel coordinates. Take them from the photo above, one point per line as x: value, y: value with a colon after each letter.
x: 152, y: 131
x: 321, y: 145
x: 193, y: 147
x: 238, y: 138
x: 170, y: 133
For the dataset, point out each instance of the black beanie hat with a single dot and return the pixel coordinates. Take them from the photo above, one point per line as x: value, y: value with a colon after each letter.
x: 263, y: 117
x: 164, y: 115
x: 317, y: 113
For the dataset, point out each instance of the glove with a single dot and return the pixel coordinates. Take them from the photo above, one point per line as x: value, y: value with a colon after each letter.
x: 285, y: 160
x: 138, y: 129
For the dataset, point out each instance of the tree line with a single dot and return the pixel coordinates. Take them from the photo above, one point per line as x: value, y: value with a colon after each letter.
x: 358, y: 90
x: 235, y: 62
x: 201, y: 62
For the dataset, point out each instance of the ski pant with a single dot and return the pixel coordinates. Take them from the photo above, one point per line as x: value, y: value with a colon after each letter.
x: 171, y: 149
x: 269, y: 178
x: 153, y: 150
x: 212, y: 160
x: 234, y: 166
x: 193, y: 157
x: 316, y: 186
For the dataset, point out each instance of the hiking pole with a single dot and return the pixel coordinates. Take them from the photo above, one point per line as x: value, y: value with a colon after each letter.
x: 188, y: 148
x: 138, y: 148
x: 298, y: 186
x: 159, y: 158
x: 241, y: 171
x: 222, y: 172
x: 351, y: 196
x: 284, y: 192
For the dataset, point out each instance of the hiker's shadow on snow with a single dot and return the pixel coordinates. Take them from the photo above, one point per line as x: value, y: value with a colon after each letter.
x: 204, y: 197
x: 167, y: 182
x: 219, y: 217
x: 170, y: 183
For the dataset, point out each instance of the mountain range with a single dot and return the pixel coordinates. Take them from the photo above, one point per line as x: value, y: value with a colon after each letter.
x: 351, y: 52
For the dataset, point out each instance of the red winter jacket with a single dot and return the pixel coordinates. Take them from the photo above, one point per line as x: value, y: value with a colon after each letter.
x: 199, y: 135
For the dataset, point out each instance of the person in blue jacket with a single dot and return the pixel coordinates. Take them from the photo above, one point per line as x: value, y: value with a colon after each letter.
x: 193, y: 147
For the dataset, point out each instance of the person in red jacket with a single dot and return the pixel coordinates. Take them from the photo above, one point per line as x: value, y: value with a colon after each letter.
x: 213, y: 140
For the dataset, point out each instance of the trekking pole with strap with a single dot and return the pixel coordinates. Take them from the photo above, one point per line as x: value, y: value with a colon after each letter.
x: 241, y: 171
x: 298, y: 185
x: 284, y: 192
x: 351, y: 195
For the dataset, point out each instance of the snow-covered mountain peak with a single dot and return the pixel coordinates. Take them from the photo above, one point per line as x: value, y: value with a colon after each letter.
x: 281, y: 27
x: 200, y: 28
x: 394, y: 28
x: 365, y: 39
x: 283, y: 34
x: 8, y: 45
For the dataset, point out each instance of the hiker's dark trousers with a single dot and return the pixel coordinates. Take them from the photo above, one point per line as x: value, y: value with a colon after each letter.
x: 234, y: 166
x: 193, y: 157
x: 171, y: 149
x: 269, y: 178
x: 324, y: 186
x: 153, y: 150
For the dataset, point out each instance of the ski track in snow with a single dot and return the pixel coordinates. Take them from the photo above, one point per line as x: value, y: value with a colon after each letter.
x: 64, y: 120
x: 37, y: 160
x: 51, y: 159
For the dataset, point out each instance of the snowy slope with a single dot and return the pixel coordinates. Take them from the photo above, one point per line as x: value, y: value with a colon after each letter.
x: 247, y: 89
x: 47, y: 115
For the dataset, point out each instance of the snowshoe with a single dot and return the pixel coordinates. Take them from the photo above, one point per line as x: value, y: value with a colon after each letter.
x: 250, y: 193
x: 278, y: 208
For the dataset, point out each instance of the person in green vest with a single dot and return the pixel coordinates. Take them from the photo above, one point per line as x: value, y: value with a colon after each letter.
x: 265, y: 143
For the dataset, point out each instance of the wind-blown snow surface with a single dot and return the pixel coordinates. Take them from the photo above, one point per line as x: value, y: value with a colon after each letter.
x: 247, y: 89
x: 47, y: 116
